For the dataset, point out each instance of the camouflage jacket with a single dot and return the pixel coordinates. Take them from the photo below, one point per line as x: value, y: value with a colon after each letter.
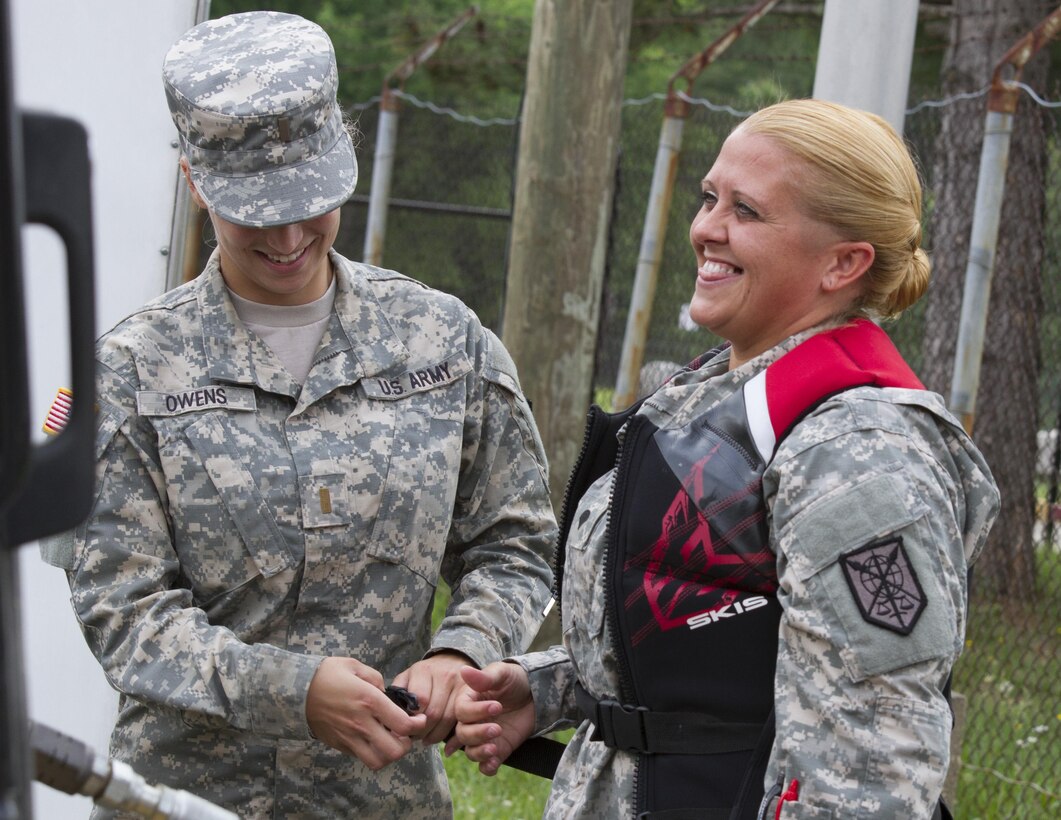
x: 862, y: 722
x: 245, y: 527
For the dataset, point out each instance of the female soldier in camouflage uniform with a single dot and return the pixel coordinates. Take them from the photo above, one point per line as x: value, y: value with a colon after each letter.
x: 293, y: 449
x: 780, y: 533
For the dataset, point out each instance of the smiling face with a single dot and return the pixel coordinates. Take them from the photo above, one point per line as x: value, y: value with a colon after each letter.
x: 765, y: 270
x: 284, y: 265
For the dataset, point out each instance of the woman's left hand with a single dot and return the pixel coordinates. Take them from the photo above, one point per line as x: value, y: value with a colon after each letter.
x: 496, y: 714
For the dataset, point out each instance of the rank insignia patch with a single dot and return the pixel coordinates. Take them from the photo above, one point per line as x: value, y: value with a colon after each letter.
x: 884, y: 585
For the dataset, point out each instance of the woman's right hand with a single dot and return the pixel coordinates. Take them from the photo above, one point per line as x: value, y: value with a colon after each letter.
x: 347, y: 708
x: 495, y: 714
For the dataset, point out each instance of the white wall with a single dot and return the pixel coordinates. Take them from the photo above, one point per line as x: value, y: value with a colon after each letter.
x: 100, y: 63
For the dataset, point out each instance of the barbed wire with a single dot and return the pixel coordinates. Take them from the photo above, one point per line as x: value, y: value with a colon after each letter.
x: 449, y: 112
x: 965, y: 95
x: 436, y: 109
x: 706, y: 103
x: 700, y: 101
x: 1037, y: 98
x: 971, y: 95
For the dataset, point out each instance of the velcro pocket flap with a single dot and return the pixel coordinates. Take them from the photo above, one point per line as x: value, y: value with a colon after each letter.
x: 850, y: 516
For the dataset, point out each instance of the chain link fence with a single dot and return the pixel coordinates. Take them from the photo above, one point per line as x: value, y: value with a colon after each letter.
x: 448, y: 226
x: 450, y: 201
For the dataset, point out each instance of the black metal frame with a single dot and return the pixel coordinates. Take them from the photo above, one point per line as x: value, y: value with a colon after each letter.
x: 44, y: 179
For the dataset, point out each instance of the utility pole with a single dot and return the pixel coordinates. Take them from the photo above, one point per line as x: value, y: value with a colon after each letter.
x: 864, y: 55
x: 565, y: 180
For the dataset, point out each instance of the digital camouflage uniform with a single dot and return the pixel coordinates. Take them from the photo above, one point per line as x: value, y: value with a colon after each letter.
x: 862, y: 721
x: 245, y: 527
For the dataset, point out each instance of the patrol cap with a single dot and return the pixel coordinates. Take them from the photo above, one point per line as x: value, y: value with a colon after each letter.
x: 253, y: 96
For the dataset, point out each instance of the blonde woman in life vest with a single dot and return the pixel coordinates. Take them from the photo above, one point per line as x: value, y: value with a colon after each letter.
x: 763, y: 564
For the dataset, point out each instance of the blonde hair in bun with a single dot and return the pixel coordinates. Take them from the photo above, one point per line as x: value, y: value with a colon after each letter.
x: 860, y: 178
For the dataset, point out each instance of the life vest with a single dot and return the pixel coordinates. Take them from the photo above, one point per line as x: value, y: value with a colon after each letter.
x: 692, y: 581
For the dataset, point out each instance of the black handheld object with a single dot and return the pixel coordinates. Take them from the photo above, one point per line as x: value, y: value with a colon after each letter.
x: 404, y: 699
x: 537, y: 755
x: 44, y: 179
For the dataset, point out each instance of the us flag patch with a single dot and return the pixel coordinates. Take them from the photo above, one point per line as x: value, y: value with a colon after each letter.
x: 884, y: 585
x: 59, y: 412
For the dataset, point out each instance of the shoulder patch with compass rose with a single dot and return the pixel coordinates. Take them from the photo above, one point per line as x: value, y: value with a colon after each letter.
x: 884, y: 585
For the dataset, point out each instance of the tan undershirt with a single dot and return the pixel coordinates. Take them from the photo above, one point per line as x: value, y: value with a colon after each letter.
x: 292, y: 332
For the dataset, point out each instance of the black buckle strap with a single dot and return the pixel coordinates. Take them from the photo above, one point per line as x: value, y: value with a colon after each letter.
x: 618, y: 727
x: 621, y: 727
x: 638, y: 729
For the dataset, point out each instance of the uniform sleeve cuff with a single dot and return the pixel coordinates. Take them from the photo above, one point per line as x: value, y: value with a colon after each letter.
x: 470, y: 642
x: 552, y: 680
x: 279, y: 682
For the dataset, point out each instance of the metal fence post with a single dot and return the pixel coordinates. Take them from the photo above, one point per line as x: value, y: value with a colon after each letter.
x: 383, y: 163
x: 655, y: 229
x: 382, y: 169
x: 648, y: 259
x: 990, y: 188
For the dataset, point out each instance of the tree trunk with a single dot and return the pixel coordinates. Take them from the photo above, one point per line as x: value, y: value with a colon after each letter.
x: 569, y: 142
x: 565, y: 180
x: 1006, y: 418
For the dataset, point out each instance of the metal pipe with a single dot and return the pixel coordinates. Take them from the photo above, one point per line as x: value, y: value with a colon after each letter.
x: 990, y: 191
x: 73, y: 767
x: 648, y: 261
x: 185, y: 233
x: 655, y: 226
x: 386, y: 137
x: 695, y: 65
x: 382, y: 172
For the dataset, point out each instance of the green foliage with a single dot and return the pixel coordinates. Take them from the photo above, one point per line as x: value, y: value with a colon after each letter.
x: 603, y: 396
x: 483, y: 67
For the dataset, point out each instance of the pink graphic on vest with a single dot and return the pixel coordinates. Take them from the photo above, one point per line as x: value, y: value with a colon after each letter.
x: 687, y: 569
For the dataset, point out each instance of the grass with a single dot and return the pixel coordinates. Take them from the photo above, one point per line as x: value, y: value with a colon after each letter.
x: 509, y: 795
x: 1011, y: 674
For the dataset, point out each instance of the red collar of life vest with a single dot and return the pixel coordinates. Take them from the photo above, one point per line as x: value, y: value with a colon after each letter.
x: 855, y: 355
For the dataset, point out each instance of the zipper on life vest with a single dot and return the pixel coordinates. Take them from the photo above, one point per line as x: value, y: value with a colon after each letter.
x: 772, y: 793
x: 611, y: 553
x: 626, y: 693
x: 749, y: 457
x: 591, y: 439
